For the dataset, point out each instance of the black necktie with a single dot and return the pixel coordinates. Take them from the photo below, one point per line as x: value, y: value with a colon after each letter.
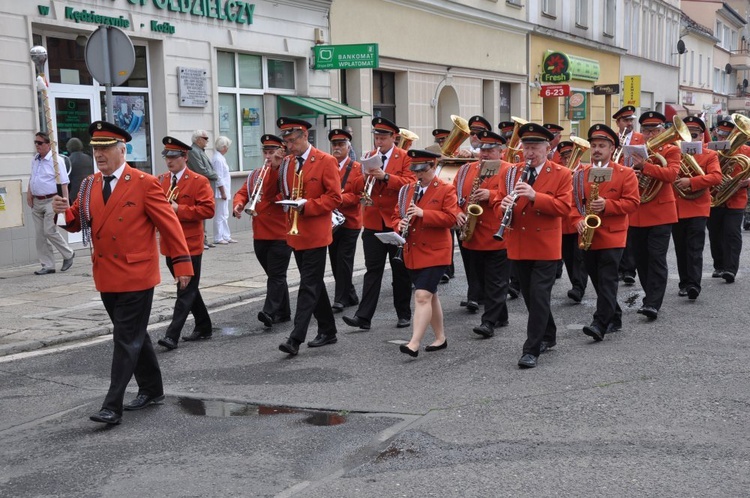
x: 300, y: 162
x: 107, y: 188
x: 174, y: 182
x: 419, y: 195
x: 532, y: 177
x: 385, y: 158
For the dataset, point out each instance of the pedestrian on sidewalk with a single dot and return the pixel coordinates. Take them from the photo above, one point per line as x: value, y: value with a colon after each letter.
x: 222, y: 234
x: 120, y: 210
x: 199, y: 162
x: 42, y: 188
x: 192, y: 200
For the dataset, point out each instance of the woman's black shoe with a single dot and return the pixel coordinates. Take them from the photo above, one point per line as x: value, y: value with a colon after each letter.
x: 405, y: 349
x: 437, y: 348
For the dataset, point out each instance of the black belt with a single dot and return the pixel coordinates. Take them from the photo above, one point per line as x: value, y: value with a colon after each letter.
x: 44, y: 196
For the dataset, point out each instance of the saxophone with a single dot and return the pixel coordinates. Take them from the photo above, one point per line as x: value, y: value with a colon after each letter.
x: 473, y: 212
x: 591, y: 220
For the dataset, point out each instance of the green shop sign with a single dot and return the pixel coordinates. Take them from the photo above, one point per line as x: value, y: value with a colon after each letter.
x: 224, y: 10
x: 363, y: 56
x: 558, y: 67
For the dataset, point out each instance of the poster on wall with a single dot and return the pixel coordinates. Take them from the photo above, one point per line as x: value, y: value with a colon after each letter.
x: 129, y: 115
x: 250, y: 132
x: 224, y: 124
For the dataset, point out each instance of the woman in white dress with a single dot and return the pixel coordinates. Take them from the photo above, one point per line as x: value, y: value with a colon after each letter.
x: 223, y: 187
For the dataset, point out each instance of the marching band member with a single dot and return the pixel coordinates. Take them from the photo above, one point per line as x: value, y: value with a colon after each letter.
x: 440, y: 135
x: 572, y: 256
x: 616, y: 198
x: 377, y: 219
x: 344, y: 245
x: 538, y: 206
x: 311, y: 177
x: 269, y: 230
x: 192, y: 200
x: 425, y: 217
x: 556, y: 131
x: 118, y: 210
x: 506, y: 129
x: 725, y: 221
x: 651, y: 223
x: 488, y: 258
x: 625, y: 119
x: 689, y: 233
x: 477, y: 124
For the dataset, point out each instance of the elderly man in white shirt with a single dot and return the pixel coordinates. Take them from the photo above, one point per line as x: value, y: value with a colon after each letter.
x: 223, y: 187
x: 42, y: 188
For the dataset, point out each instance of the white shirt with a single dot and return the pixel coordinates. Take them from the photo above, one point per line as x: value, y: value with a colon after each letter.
x: 42, y: 181
x: 117, y: 174
x: 219, y: 163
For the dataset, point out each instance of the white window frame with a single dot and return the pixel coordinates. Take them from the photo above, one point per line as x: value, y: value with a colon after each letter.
x: 549, y: 8
x: 582, y: 14
x: 609, y: 19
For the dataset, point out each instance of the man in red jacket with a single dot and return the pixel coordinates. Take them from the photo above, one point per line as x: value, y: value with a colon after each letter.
x: 121, y: 209
x: 310, y: 178
x: 192, y: 199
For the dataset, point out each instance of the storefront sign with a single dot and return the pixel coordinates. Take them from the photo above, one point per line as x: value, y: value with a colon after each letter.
x: 559, y: 67
x: 631, y: 94
x: 224, y: 10
x: 613, y: 89
x: 193, y: 87
x: 548, y: 91
x: 576, y: 106
x: 364, y: 56
x: 94, y: 18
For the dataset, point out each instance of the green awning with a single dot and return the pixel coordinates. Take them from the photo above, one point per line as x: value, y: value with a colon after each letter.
x: 330, y: 109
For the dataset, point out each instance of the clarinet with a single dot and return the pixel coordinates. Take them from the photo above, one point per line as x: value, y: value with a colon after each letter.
x: 508, y: 215
x: 405, y: 231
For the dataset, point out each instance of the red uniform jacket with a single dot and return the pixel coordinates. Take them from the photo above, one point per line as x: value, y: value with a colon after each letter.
x: 622, y: 196
x: 270, y: 222
x: 487, y: 223
x: 123, y: 232
x: 662, y: 210
x: 385, y: 194
x: 351, y: 207
x: 322, y: 189
x: 195, y: 203
x: 536, y: 230
x: 637, y: 139
x: 700, y: 206
x: 429, y: 241
x: 739, y: 199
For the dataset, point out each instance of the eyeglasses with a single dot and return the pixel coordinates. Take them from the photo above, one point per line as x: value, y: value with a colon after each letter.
x: 37, y: 142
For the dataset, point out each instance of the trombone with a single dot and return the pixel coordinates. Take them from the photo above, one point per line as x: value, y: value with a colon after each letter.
x: 255, y: 195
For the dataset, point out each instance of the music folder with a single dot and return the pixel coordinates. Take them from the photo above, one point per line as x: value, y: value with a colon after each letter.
x: 691, y: 148
x: 391, y: 238
x: 599, y: 175
x: 718, y: 145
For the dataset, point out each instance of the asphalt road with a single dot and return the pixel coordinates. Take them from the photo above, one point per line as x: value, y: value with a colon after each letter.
x: 660, y: 408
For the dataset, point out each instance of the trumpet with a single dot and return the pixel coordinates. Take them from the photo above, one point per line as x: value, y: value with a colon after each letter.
x: 298, y: 192
x: 370, y: 180
x: 405, y: 231
x: 255, y: 194
x: 618, y: 151
x: 508, y: 215
x: 172, y: 194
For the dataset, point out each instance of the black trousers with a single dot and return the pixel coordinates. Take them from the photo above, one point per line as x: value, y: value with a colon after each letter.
x: 492, y: 270
x: 341, y: 254
x: 189, y: 300
x: 133, y: 352
x: 513, y: 282
x: 602, y: 266
x: 725, y: 238
x: 650, y: 246
x: 536, y: 279
x: 274, y: 256
x: 450, y: 271
x: 312, y: 297
x: 474, y: 274
x: 689, y: 236
x: 375, y: 255
x: 627, y: 262
x: 573, y: 258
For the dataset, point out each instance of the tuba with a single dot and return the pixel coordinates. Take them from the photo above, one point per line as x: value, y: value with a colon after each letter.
x: 514, y: 149
x: 730, y: 159
x: 458, y: 134
x: 689, y: 168
x: 580, y: 146
x: 649, y: 186
x: 406, y: 139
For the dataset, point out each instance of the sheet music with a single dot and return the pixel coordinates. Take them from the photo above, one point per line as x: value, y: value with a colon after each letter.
x: 631, y: 152
x: 719, y: 145
x: 391, y: 238
x: 691, y: 148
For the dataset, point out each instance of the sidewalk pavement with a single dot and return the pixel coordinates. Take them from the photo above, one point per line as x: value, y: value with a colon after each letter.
x: 44, y: 310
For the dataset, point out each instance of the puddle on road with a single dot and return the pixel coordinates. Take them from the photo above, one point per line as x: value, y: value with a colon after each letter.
x: 218, y: 408
x: 228, y: 331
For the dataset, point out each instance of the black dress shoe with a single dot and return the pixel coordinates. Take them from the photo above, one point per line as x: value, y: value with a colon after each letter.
x: 337, y: 307
x: 282, y: 319
x: 290, y: 347
x: 322, y: 340
x: 485, y: 330
x: 106, y: 417
x: 527, y: 361
x: 265, y: 318
x: 649, y: 312
x: 693, y: 293
x: 44, y: 271
x: 682, y: 292
x: 167, y: 342
x: 356, y: 321
x: 463, y: 304
x: 717, y: 273
x: 513, y: 293
x: 614, y: 327
x: 503, y: 323
x: 472, y: 306
x: 576, y: 295
x: 405, y: 349
x: 142, y: 401
x: 594, y: 331
x: 628, y: 279
x: 444, y: 345
x: 546, y: 346
x: 728, y: 276
x: 197, y: 335
x: 402, y: 323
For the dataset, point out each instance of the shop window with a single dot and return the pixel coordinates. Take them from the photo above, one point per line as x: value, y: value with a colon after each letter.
x: 280, y: 74
x: 384, y: 95
x: 250, y: 71
x: 225, y: 67
x: 66, y: 62
x: 131, y: 113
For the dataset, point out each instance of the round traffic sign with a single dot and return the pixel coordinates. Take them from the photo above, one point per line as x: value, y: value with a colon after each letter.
x: 110, y: 46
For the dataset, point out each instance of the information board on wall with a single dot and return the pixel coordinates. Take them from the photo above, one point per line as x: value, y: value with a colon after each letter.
x: 11, y: 204
x: 193, y: 87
